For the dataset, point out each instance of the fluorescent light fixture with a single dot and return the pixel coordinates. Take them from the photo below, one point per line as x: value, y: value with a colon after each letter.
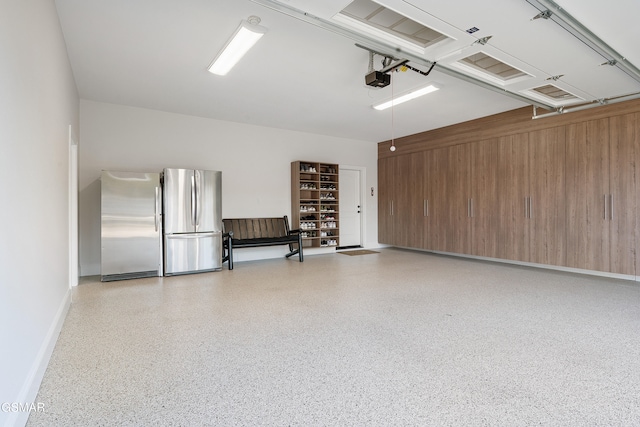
x: 406, y: 97
x: 247, y: 34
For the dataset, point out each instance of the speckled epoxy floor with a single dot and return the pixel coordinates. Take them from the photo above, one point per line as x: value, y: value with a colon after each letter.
x: 394, y: 338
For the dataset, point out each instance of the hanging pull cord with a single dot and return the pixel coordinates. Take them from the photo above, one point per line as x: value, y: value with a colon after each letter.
x: 393, y: 146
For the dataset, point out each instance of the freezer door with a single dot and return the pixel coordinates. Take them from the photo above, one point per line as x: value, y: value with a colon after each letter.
x: 179, y: 201
x: 190, y: 253
x: 208, y: 200
x: 131, y: 225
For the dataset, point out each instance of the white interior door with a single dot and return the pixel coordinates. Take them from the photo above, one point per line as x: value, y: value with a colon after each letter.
x: 350, y: 207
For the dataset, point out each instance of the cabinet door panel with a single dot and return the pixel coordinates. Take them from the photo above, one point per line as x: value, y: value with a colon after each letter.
x: 547, y: 209
x: 624, y: 140
x: 439, y: 188
x: 484, y: 198
x: 404, y: 189
x: 386, y: 171
x: 587, y: 195
x: 513, y: 188
x: 430, y: 180
x: 459, y: 225
x: 416, y: 196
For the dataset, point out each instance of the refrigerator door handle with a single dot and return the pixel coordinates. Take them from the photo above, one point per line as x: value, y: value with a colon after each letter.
x: 197, y: 177
x: 193, y: 200
x: 156, y: 210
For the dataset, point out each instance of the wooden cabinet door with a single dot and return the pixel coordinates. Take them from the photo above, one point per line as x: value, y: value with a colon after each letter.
x: 513, y: 190
x: 386, y: 173
x: 457, y: 230
x: 404, y: 194
x: 547, y: 196
x: 624, y: 138
x: 416, y: 225
x: 484, y: 198
x: 438, y: 192
x: 431, y: 180
x: 587, y: 195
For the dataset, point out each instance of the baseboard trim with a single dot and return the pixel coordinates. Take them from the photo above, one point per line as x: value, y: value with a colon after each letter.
x: 29, y: 391
x: 530, y: 264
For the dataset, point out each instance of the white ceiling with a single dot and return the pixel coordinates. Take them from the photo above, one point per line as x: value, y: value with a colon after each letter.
x: 155, y: 53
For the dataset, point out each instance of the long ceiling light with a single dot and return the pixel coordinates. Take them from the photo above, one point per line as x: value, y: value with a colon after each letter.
x: 406, y: 97
x: 247, y: 34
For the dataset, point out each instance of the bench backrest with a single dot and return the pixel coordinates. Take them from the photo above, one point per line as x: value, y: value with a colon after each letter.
x: 252, y: 228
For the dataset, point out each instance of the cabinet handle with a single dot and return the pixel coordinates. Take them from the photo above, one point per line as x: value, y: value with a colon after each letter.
x: 611, y: 209
x: 424, y: 207
x: 427, y: 207
x: 391, y: 204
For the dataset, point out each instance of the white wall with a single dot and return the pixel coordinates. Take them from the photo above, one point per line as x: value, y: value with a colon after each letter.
x: 255, y: 164
x: 38, y: 102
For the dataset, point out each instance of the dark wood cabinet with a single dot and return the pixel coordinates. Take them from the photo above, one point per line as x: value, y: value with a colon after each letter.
x: 601, y: 204
x: 560, y: 193
x: 484, y: 200
x: 513, y: 202
x: 624, y: 151
x: 387, y: 199
x: 587, y: 183
x: 547, y: 196
x: 445, y: 203
x: 416, y: 196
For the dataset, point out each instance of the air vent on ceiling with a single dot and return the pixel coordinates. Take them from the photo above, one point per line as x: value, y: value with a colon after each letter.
x: 555, y: 93
x: 492, y: 66
x: 393, y: 23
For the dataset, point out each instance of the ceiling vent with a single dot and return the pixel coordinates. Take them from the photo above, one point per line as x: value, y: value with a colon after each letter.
x: 555, y: 93
x: 494, y: 67
x: 392, y: 23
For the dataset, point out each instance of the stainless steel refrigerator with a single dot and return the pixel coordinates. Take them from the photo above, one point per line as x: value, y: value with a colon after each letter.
x: 131, y: 225
x: 192, y: 221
